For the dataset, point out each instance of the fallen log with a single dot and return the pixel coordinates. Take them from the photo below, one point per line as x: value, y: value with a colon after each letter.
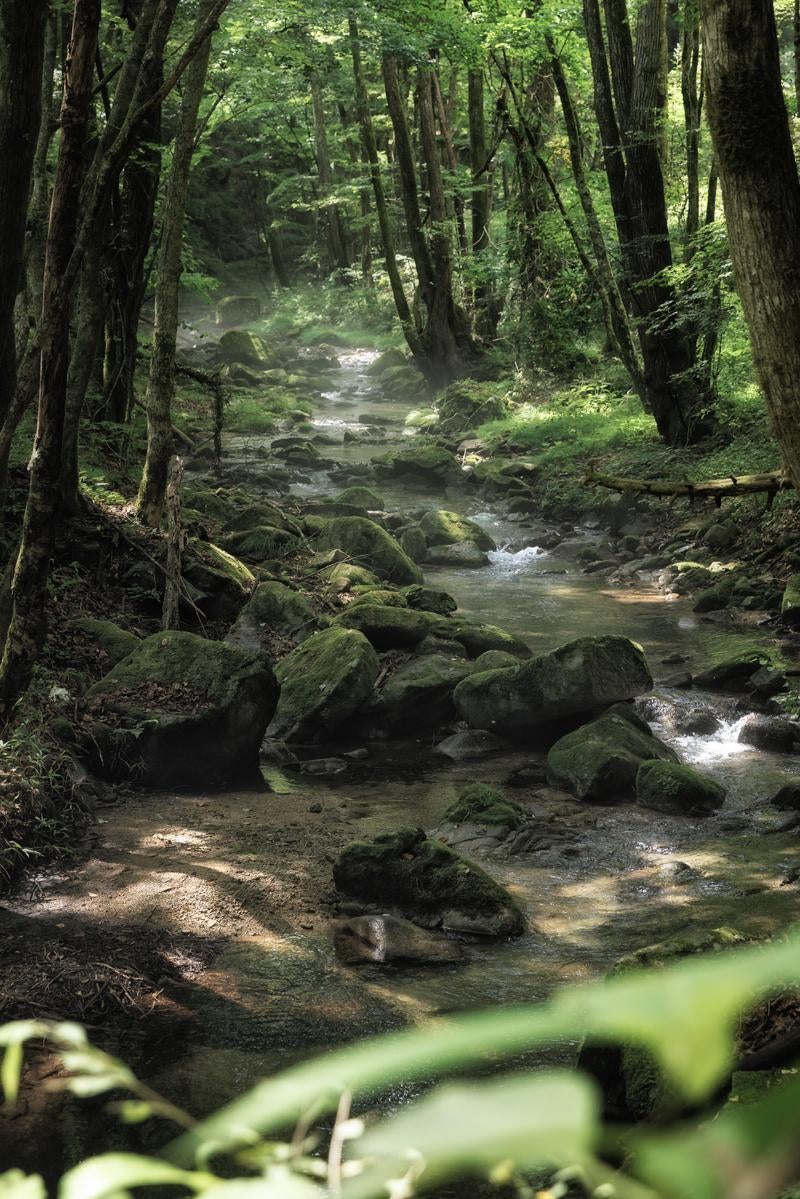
x: 717, y: 489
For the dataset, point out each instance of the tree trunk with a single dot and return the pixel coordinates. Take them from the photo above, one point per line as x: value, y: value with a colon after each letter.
x: 761, y: 192
x: 22, y: 28
x: 451, y: 160
x: 91, y: 312
x: 337, y: 238
x: 384, y: 224
x: 692, y: 97
x: 29, y: 585
x: 161, y: 384
x: 797, y: 56
x: 481, y: 195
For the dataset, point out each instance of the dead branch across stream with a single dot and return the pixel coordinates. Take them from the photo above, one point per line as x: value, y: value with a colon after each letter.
x: 717, y: 489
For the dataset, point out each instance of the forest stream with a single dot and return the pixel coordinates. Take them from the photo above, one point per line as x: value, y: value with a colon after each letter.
x: 241, y: 880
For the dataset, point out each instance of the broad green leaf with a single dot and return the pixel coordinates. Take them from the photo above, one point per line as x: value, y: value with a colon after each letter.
x: 11, y: 1070
x: 755, y: 1140
x: 684, y: 1013
x: 522, y: 1121
x: 280, y: 1183
x: 104, y: 1176
x: 16, y: 1185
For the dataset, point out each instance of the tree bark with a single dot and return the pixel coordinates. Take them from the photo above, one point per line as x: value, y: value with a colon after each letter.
x: 761, y: 194
x: 22, y: 28
x: 161, y: 383
x: 692, y: 98
x: 29, y: 585
x: 91, y: 312
x: 481, y: 200
x: 337, y: 238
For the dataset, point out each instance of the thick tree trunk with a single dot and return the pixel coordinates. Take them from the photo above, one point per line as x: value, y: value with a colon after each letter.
x: 381, y: 211
x: 22, y: 28
x: 337, y: 237
x: 481, y: 200
x: 29, y: 585
x: 761, y: 192
x: 161, y: 384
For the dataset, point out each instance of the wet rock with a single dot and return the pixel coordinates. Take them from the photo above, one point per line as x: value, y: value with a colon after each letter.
x: 385, y: 626
x: 713, y: 599
x: 429, y: 883
x: 790, y: 602
x: 367, y: 544
x: 273, y: 607
x: 604, y: 565
x: 180, y: 711
x: 221, y: 583
x: 586, y: 674
x: 494, y: 659
x: 343, y: 576
x: 680, y: 873
x: 532, y: 774
x: 440, y: 645
x: 670, y: 787
x: 261, y: 544
x: 719, y: 537
x: 419, y: 695
x: 681, y: 681
x: 674, y: 659
x: 470, y: 743
x: 361, y: 497
x: 386, y: 360
x: 428, y: 599
x: 600, y: 761
x: 115, y: 643
x: 323, y: 683
x: 324, y: 767
x: 787, y: 797
x: 414, y: 544
x: 387, y: 938
x: 731, y: 675
x: 463, y: 553
x: 697, y: 721
x: 246, y: 348
x: 448, y: 528
x: 429, y: 464
x: 486, y: 807
x: 468, y: 403
x: 238, y: 310
x: 770, y: 733
x: 254, y: 516
x: 767, y: 682
x: 478, y: 638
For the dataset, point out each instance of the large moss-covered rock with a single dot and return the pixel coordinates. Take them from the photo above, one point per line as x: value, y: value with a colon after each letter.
x: 468, y: 403
x: 113, y: 642
x: 238, y: 345
x: 670, y: 787
x: 273, y: 609
x: 222, y: 584
x: 386, y: 360
x: 463, y: 554
x: 181, y: 711
x: 429, y: 464
x: 600, y: 761
x: 790, y: 603
x: 361, y: 497
x: 733, y: 674
x: 385, y: 626
x: 264, y: 543
x: 428, y: 599
x: 481, y: 804
x: 419, y: 695
x: 323, y: 683
x: 579, y: 677
x: 477, y: 638
x: 254, y: 516
x: 343, y: 577
x: 427, y: 882
x: 448, y: 528
x: 367, y: 544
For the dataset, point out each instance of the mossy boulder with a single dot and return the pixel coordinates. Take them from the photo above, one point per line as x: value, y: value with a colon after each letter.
x: 428, y: 599
x: 465, y: 554
x: 273, y: 609
x: 414, y: 543
x: 477, y: 638
x: 600, y: 761
x: 238, y: 345
x: 419, y: 695
x: 222, y: 584
x: 448, y: 528
x: 671, y: 787
x: 714, y: 599
x: 367, y: 544
x: 384, y: 626
x: 113, y: 642
x: 343, y: 577
x: 427, y: 882
x: 402, y: 380
x: 323, y: 683
x: 181, y: 711
x: 361, y: 497
x: 484, y: 805
x: 386, y: 360
x: 790, y: 603
x: 494, y: 659
x: 212, y: 503
x: 377, y: 595
x: 579, y: 677
x: 468, y: 403
x: 264, y: 543
x: 430, y: 464
x: 254, y: 516
x: 733, y: 674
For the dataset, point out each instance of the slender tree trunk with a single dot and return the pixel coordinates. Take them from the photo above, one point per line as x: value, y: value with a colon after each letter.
x: 337, y: 237
x: 761, y: 190
x: 161, y: 385
x: 363, y: 197
x: 22, y: 28
x: 29, y: 585
x: 692, y: 96
x: 480, y: 202
x: 381, y: 211
x: 91, y: 313
x: 797, y: 56
x: 451, y: 160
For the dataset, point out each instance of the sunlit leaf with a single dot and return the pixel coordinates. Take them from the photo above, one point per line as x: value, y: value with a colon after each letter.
x: 280, y: 1183
x: 523, y: 1120
x: 104, y: 1176
x: 11, y: 1070
x: 16, y: 1185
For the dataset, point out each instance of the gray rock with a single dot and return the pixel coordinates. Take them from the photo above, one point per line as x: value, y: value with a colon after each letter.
x: 388, y: 938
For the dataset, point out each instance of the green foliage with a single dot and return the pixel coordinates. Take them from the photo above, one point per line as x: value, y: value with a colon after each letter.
x: 512, y: 1129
